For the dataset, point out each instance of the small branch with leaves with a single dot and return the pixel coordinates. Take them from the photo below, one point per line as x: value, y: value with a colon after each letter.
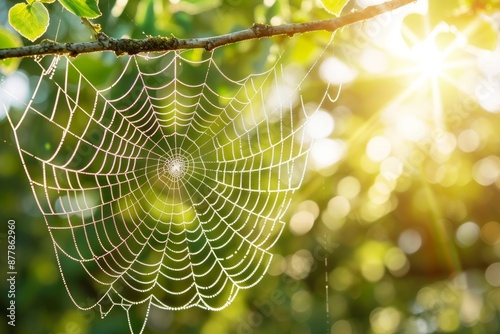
x: 151, y: 44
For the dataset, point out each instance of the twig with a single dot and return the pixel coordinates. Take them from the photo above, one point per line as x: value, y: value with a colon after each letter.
x: 133, y: 46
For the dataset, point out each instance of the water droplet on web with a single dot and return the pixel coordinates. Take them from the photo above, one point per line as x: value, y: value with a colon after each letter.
x: 174, y: 172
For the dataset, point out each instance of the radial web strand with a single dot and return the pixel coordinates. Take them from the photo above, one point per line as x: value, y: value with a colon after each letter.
x: 168, y: 187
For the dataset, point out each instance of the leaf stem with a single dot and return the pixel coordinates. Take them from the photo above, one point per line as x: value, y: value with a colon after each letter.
x: 93, y: 28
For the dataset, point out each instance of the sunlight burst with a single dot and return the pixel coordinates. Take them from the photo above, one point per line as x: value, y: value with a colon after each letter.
x: 429, y: 58
x: 435, y: 64
x: 431, y: 55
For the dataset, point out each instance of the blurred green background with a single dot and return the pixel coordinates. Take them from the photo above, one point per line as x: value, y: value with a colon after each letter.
x: 399, y: 209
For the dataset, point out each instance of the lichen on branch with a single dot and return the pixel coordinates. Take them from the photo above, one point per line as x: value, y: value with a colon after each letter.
x: 151, y: 44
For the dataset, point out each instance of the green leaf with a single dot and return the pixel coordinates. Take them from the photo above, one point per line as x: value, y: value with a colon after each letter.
x: 480, y: 31
x: 414, y: 29
x: 46, y: 1
x: 31, y: 21
x: 334, y: 6
x: 443, y: 40
x: 145, y: 17
x: 9, y: 40
x: 82, y: 8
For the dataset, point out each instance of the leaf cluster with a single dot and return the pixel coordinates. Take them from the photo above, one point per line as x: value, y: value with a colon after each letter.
x: 454, y: 18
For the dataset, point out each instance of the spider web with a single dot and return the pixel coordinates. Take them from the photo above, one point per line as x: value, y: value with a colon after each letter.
x: 167, y: 187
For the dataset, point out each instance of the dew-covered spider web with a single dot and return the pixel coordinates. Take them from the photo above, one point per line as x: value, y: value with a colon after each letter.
x: 168, y: 187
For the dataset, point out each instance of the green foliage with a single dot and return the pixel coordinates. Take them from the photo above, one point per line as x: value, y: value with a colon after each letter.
x: 480, y: 30
x: 147, y: 17
x: 470, y: 17
x: 31, y: 19
x: 9, y: 40
x: 83, y: 8
x: 334, y: 6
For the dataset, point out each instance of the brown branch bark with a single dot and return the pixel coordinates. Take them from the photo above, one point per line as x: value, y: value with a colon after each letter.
x: 133, y: 46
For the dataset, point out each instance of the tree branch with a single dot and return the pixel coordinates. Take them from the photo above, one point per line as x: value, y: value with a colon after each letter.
x: 133, y: 46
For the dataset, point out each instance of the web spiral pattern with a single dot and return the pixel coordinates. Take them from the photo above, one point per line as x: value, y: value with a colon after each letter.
x: 163, y: 189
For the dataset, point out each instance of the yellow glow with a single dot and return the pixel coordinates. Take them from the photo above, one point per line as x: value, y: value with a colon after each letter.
x: 349, y: 187
x: 417, y: 112
x: 429, y: 58
x: 397, y: 262
x: 410, y: 241
x: 490, y: 233
x: 341, y: 278
x: 385, y: 320
x: 301, y: 222
x: 320, y: 125
x: 467, y: 234
x: 299, y: 264
x: 448, y: 320
x: 378, y: 148
x: 327, y: 152
x: 301, y: 301
x: 492, y: 274
x: 339, y: 207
